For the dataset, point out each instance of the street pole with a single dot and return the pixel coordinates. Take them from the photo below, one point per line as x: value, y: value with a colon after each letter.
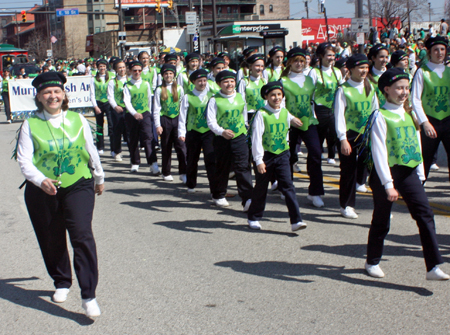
x: 360, y: 15
x: 214, y: 23
x: 307, y: 9
x: 326, y: 22
x: 17, y: 30
x: 429, y: 12
x: 120, y: 13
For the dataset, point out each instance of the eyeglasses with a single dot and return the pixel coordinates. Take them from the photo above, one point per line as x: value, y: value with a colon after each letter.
x: 137, y: 70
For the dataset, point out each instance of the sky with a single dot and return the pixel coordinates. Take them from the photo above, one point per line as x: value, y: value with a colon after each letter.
x: 335, y: 8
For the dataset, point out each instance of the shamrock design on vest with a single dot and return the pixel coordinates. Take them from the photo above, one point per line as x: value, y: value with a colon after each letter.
x: 441, y: 104
x: 65, y: 167
x: 201, y: 121
x: 410, y: 155
x: 278, y: 144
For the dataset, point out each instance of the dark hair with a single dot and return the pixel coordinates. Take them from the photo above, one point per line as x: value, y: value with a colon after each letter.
x: 332, y: 67
x: 97, y: 75
x: 115, y: 69
x: 64, y: 105
x: 270, y: 64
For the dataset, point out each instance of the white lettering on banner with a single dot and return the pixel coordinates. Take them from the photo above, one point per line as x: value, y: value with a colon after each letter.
x: 332, y: 30
x: 22, y: 93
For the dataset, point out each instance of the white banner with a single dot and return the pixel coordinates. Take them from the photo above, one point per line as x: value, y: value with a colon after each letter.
x: 22, y: 93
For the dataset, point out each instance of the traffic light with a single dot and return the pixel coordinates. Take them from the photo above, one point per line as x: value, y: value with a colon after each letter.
x: 24, y: 16
x: 158, y: 6
x: 170, y: 3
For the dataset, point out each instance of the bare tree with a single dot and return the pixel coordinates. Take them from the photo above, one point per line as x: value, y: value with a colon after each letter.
x: 103, y: 44
x: 37, y: 45
x: 74, y: 46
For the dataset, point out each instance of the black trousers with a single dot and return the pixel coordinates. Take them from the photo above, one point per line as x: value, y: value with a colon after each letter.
x: 5, y: 96
x: 431, y: 145
x: 227, y: 152
x: 313, y: 162
x: 407, y: 183
x: 105, y: 107
x: 118, y: 121
x: 353, y: 170
x: 326, y: 128
x: 136, y: 130
x: 276, y: 166
x: 70, y: 209
x: 169, y: 138
x: 195, y: 142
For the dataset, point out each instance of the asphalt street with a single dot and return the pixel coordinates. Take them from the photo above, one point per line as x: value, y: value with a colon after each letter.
x: 172, y: 263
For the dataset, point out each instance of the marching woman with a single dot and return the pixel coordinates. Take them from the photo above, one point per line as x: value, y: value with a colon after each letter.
x: 5, y: 94
x: 99, y: 99
x: 226, y: 117
x: 166, y: 114
x: 192, y: 64
x: 250, y: 86
x: 60, y: 162
x: 299, y: 90
x: 274, y: 64
x: 401, y: 60
x: 270, y: 150
x: 431, y: 100
x: 326, y: 78
x: 226, y: 57
x: 355, y: 101
x: 398, y: 170
x: 217, y: 64
x: 198, y: 135
x: 379, y: 58
x: 137, y: 97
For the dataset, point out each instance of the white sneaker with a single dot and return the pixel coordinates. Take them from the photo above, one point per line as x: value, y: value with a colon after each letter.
x: 118, y: 158
x: 254, y: 224
x: 134, y: 168
x: 60, y: 295
x: 100, y: 152
x: 361, y: 188
x: 349, y: 213
x: 316, y: 200
x: 91, y: 307
x: 296, y: 168
x: 183, y: 178
x: 434, y: 167
x: 191, y: 190
x: 9, y: 121
x: 437, y: 274
x: 274, y: 186
x: 298, y: 226
x: 168, y: 178
x: 221, y: 202
x: 374, y: 271
x: 154, y: 169
x: 247, y: 205
x: 300, y: 153
x: 331, y: 161
x: 231, y: 175
x: 113, y: 154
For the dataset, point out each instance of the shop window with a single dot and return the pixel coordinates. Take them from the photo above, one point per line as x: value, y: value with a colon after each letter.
x: 229, y: 10
x: 261, y: 9
x: 270, y: 8
x: 97, y: 30
x: 97, y: 16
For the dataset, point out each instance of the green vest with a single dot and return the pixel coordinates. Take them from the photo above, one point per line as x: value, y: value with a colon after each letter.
x: 69, y: 157
x: 5, y: 85
x: 275, y: 131
x: 230, y: 115
x: 273, y: 75
x: 213, y: 86
x: 196, y: 118
x: 380, y: 95
x: 139, y: 96
x: 253, y: 94
x: 298, y: 100
x: 101, y: 90
x: 436, y: 93
x: 148, y: 77
x: 169, y: 107
x: 111, y: 74
x: 93, y: 73
x: 326, y: 88
x: 118, y: 92
x: 187, y: 85
x: 359, y: 107
x: 402, y: 142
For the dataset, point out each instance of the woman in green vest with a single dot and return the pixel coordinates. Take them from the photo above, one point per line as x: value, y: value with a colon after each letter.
x: 216, y: 66
x: 102, y: 108
x: 401, y: 60
x: 166, y: 112
x: 299, y: 92
x: 398, y: 169
x: 431, y: 100
x: 198, y: 136
x: 274, y: 64
x: 227, y: 58
x: 149, y: 74
x: 5, y: 94
x: 63, y: 173
x: 192, y: 62
x: 355, y: 101
x: 379, y: 57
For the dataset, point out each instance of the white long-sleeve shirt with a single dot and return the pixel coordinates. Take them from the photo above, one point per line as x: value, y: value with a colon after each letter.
x: 184, y: 106
x: 258, y: 131
x: 340, y: 104
x: 25, y: 150
x: 154, y: 82
x: 379, y: 149
x: 211, y: 113
x: 276, y: 69
x: 157, y: 101
x: 111, y: 84
x: 181, y: 76
x: 417, y: 89
x: 127, y: 95
x: 92, y: 89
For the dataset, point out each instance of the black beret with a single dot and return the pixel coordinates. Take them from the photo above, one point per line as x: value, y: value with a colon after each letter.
x: 49, y: 79
x: 200, y: 73
x: 270, y: 87
x: 249, y: 50
x: 397, y: 56
x: 275, y: 49
x: 102, y: 61
x: 255, y: 57
x: 322, y: 47
x: 135, y: 63
x: 191, y: 56
x: 224, y: 54
x: 391, y: 76
x: 169, y: 67
x: 216, y: 61
x: 435, y: 40
x: 356, y: 60
x: 296, y: 52
x: 222, y: 75
x: 341, y: 63
x: 113, y: 59
x: 169, y: 57
x: 375, y: 49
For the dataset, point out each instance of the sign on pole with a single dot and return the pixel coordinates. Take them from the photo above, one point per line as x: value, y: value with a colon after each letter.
x: 191, y: 29
x: 360, y: 38
x: 360, y: 25
x: 49, y: 53
x: 66, y: 11
x: 191, y: 18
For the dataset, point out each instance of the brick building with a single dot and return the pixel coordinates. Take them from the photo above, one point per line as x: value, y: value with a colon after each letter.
x: 17, y: 32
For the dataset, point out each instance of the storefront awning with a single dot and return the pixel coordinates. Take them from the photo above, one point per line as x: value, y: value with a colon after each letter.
x: 238, y: 37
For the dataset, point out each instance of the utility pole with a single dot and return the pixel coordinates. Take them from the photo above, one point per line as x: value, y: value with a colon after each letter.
x: 307, y: 9
x: 214, y: 23
x: 409, y: 14
x: 121, y: 28
x: 17, y: 30
x: 360, y: 15
x: 429, y: 12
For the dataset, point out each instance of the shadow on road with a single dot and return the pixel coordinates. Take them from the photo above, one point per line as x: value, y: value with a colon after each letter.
x: 32, y: 299
x: 288, y: 272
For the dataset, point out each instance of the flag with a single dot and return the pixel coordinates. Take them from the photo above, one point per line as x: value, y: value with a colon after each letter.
x: 53, y: 39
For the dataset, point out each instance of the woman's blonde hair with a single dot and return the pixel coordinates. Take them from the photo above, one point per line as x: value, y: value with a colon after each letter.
x: 165, y: 96
x: 289, y: 64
